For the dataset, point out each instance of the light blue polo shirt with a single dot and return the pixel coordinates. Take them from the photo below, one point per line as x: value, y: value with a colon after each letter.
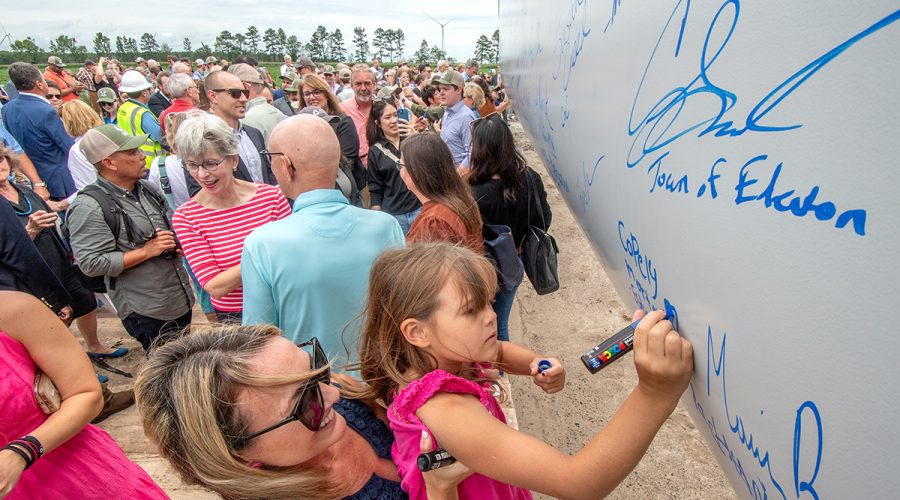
x: 308, y: 273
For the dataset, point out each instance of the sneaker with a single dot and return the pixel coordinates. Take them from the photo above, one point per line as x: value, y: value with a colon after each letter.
x: 118, y: 402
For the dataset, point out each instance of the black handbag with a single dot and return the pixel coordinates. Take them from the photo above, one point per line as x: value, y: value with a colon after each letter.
x: 540, y: 250
x: 500, y: 248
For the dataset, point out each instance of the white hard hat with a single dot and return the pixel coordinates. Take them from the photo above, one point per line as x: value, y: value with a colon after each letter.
x: 132, y: 81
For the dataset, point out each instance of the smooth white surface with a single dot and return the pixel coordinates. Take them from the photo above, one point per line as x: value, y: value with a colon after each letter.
x: 792, y: 318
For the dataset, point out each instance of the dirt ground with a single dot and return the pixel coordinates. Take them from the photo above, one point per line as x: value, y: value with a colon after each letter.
x: 565, y: 324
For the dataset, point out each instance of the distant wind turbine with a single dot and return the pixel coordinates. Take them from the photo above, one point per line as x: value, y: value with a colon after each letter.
x: 442, y: 29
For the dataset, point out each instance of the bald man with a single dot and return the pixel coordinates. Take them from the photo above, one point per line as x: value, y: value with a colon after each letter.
x: 308, y: 273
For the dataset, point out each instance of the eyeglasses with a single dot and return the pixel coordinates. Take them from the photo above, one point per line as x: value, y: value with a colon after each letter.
x: 400, y: 165
x: 307, y: 95
x: 209, y: 165
x: 234, y: 93
x: 269, y: 154
x: 53, y: 96
x: 309, y: 409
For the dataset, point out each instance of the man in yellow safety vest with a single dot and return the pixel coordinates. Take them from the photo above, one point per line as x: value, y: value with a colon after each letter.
x: 135, y: 118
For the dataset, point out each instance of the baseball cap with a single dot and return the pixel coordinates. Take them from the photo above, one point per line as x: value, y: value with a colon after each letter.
x: 100, y: 142
x: 451, y: 77
x: 289, y: 75
x: 199, y: 61
x: 140, y: 60
x: 303, y: 61
x: 329, y: 70
x: 294, y: 86
x: 56, y: 61
x: 317, y: 111
x: 88, y: 62
x: 245, y: 72
x: 106, y: 94
x: 211, y: 60
x: 344, y: 74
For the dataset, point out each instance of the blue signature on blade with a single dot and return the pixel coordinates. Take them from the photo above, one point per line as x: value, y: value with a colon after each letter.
x: 660, y: 127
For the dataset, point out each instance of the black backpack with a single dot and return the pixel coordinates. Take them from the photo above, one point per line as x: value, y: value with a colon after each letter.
x: 111, y: 211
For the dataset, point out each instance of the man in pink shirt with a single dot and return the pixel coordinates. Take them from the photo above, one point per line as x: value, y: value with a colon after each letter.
x: 359, y: 107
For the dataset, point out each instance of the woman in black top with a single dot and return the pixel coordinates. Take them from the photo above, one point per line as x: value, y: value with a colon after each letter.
x: 388, y: 191
x: 500, y: 181
x: 40, y: 224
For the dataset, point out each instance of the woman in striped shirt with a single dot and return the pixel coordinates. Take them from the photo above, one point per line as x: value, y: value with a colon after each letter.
x: 212, y: 226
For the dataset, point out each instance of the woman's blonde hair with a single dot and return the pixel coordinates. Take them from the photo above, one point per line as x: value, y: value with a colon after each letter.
x: 473, y: 91
x: 404, y: 284
x: 78, y: 117
x: 186, y: 395
x: 318, y: 83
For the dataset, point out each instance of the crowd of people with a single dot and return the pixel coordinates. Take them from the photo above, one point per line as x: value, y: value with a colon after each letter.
x: 330, y: 223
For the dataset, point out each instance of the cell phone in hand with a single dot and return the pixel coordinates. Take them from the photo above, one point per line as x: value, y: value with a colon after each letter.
x: 403, y: 113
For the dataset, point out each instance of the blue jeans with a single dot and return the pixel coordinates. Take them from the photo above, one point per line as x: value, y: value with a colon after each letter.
x: 407, y: 219
x: 502, y: 305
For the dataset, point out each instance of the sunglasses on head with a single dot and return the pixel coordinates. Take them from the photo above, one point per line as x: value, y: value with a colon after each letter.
x: 234, y: 93
x: 310, y: 407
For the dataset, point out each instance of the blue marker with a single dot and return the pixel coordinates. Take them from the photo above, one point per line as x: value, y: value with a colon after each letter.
x: 544, y: 365
x: 611, y: 349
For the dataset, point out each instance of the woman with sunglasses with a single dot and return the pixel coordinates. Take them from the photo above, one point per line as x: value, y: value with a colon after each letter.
x: 54, y: 94
x: 387, y: 190
x: 212, y: 225
x: 109, y: 105
x: 315, y: 91
x: 502, y: 184
x: 247, y: 414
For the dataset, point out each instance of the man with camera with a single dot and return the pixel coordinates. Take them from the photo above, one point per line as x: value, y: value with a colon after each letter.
x: 120, y: 228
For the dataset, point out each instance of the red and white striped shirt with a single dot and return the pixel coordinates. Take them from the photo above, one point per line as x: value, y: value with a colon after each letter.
x: 212, y: 240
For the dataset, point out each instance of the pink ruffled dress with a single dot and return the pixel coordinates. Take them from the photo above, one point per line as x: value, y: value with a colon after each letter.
x: 90, y: 465
x: 408, y: 432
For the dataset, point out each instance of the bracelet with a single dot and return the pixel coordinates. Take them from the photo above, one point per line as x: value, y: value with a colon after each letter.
x: 28, y: 447
x: 40, y: 184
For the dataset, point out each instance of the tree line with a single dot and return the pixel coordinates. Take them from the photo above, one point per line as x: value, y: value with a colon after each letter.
x: 271, y: 44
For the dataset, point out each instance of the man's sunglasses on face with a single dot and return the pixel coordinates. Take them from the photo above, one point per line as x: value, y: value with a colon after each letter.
x: 234, y: 93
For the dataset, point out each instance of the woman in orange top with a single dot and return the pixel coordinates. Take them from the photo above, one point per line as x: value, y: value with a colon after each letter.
x: 449, y: 212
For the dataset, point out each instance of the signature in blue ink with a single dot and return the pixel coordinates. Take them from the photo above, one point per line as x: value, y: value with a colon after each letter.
x: 738, y: 430
x: 571, y: 41
x: 658, y: 127
x: 644, y: 265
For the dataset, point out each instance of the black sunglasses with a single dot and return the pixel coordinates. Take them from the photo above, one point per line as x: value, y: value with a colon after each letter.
x: 310, y: 407
x: 234, y: 93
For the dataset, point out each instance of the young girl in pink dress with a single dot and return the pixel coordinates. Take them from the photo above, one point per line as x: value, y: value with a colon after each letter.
x: 430, y: 330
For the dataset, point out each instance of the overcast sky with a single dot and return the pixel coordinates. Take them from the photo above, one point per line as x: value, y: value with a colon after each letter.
x: 172, y: 20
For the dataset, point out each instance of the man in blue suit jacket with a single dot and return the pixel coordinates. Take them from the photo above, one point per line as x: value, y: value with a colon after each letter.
x: 34, y: 123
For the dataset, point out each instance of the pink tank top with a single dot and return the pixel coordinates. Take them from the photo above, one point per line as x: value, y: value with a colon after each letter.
x: 408, y: 432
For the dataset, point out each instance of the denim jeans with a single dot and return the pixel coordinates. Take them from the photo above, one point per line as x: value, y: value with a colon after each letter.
x: 151, y: 332
x: 503, y: 303
x: 407, y: 219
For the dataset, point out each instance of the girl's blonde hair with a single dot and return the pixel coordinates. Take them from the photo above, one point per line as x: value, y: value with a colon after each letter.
x: 78, y: 117
x: 405, y: 284
x: 186, y: 395
x: 473, y: 91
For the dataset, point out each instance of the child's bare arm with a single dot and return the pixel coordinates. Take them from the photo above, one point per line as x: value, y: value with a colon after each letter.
x: 484, y: 444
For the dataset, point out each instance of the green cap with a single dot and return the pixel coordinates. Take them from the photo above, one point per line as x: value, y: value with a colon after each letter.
x: 56, y: 61
x: 106, y: 94
x: 212, y: 60
x: 451, y: 77
x: 289, y: 75
x: 100, y: 142
x: 294, y: 86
